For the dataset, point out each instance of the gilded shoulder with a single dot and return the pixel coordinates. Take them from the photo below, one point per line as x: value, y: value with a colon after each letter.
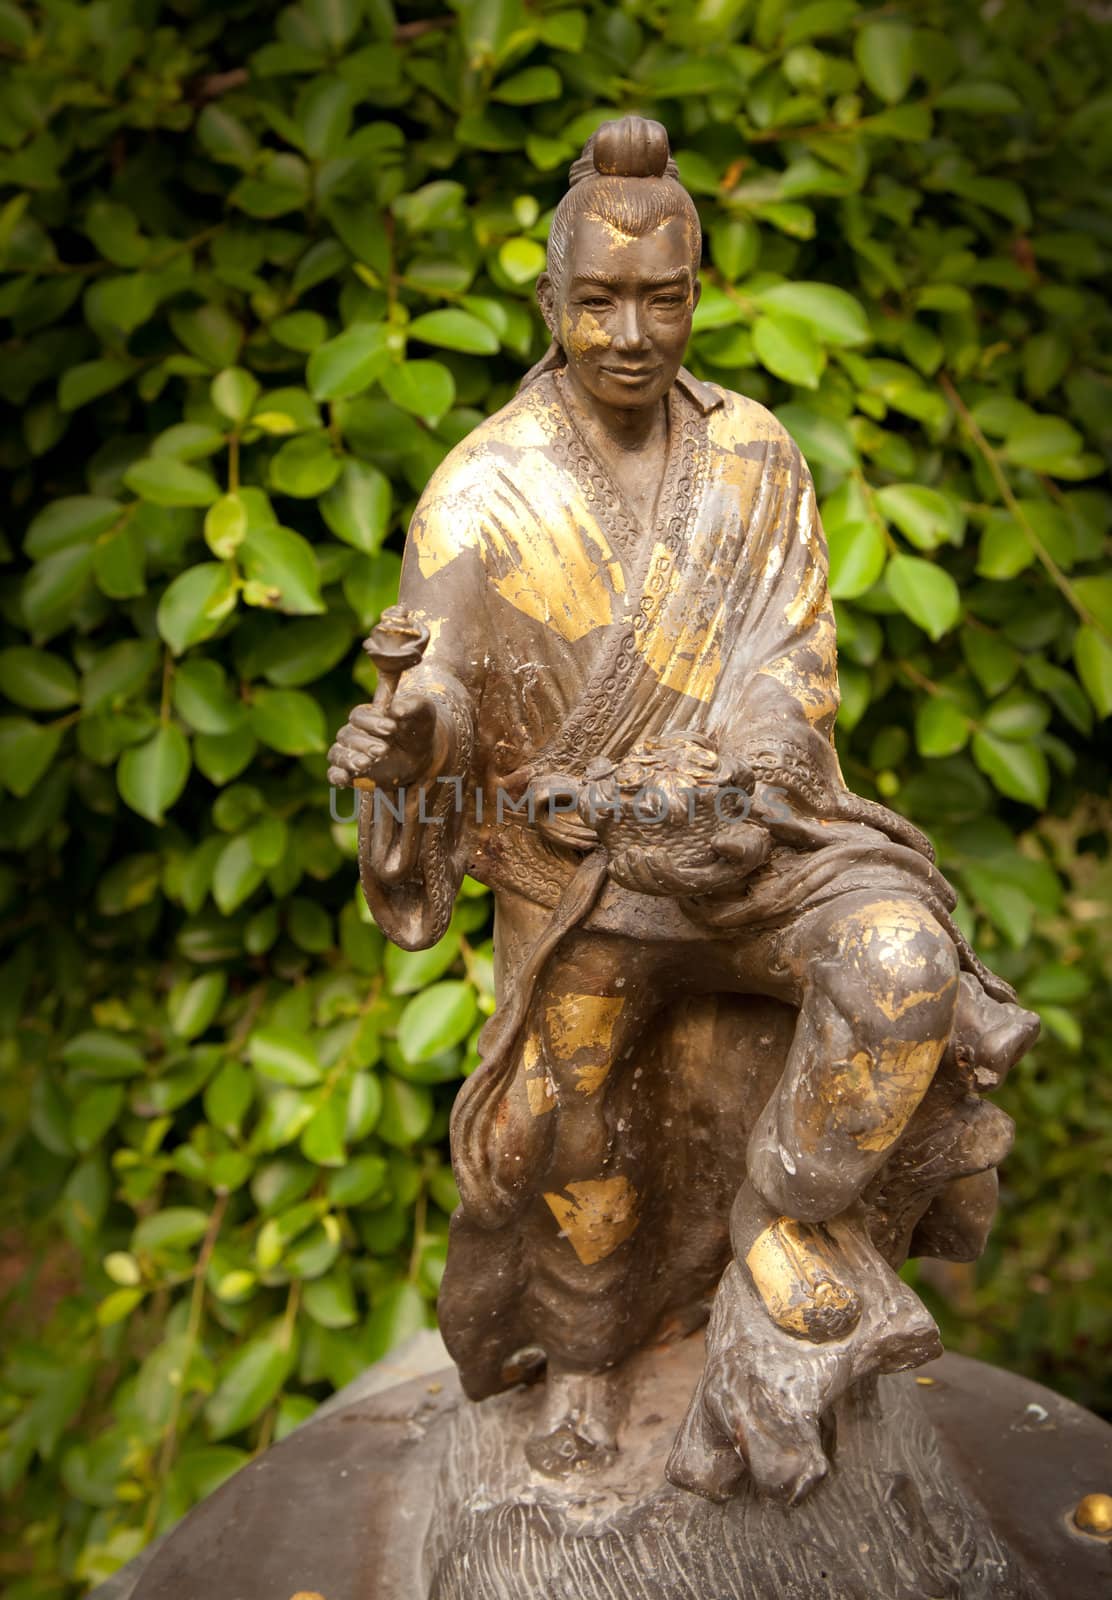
x: 742, y: 422
x: 453, y: 510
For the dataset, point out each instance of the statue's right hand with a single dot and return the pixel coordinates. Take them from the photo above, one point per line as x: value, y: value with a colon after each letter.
x: 391, y: 748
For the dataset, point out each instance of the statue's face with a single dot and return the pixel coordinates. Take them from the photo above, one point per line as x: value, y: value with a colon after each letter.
x: 624, y: 308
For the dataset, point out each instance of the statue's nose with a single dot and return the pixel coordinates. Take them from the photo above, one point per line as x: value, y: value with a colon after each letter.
x: 631, y: 334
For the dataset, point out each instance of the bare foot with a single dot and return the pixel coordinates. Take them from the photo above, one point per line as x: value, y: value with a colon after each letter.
x: 578, y: 1426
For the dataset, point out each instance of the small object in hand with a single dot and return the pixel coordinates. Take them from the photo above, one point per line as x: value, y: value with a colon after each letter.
x: 1094, y: 1515
x: 397, y: 642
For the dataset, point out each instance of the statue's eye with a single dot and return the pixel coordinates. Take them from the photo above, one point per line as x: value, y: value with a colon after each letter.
x: 595, y: 302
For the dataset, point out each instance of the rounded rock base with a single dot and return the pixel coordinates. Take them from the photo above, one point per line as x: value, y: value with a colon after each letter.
x: 957, y: 1483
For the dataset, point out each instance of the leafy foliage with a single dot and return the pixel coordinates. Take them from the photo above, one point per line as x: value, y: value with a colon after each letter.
x: 260, y: 271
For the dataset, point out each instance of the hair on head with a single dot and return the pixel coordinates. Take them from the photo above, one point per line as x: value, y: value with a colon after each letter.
x: 625, y: 176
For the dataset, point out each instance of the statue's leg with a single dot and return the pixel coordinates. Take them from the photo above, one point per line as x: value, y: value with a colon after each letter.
x: 876, y: 983
x: 590, y: 1008
x: 810, y: 1306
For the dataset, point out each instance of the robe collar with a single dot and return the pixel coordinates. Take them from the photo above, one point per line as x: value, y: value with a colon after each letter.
x: 707, y: 397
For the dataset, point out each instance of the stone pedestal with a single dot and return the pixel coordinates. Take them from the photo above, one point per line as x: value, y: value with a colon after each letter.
x: 958, y: 1483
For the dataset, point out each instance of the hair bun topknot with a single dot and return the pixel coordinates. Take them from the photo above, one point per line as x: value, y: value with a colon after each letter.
x: 633, y: 147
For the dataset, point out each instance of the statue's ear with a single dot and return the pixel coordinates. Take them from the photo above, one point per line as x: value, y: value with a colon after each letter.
x: 546, y: 299
x: 696, y: 292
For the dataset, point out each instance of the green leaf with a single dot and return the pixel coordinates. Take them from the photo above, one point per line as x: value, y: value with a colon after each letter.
x: 925, y: 593
x: 225, y: 138
x: 1042, y: 442
x: 992, y: 661
x: 151, y: 776
x: 175, y: 1228
x: 228, y: 1097
x: 300, y: 330
x: 982, y: 97
x: 423, y: 387
x: 26, y: 750
x: 941, y: 727
x: 926, y: 517
x: 857, y: 556
x: 94, y: 1112
x: 1017, y: 770
x: 286, y: 411
x: 251, y: 1380
x: 1046, y: 358
x: 210, y: 333
x: 288, y: 721
x: 522, y: 260
x: 787, y: 347
x: 166, y: 482
x: 407, y: 1110
x: 234, y: 392
x: 885, y: 53
x: 54, y: 589
x: 305, y: 466
x: 529, y: 87
x: 357, y: 1180
x: 119, y: 563
x: 398, y: 1314
x: 301, y: 652
x: 1092, y: 654
x: 436, y: 1019
x: 1095, y: 594
x: 284, y: 568
x: 100, y: 1054
x: 330, y: 1300
x: 73, y: 520
x: 322, y: 1141
x: 223, y: 756
x: 324, y: 113
x: 832, y: 315
x: 236, y: 875
x: 349, y: 363
x: 192, y: 1006
x: 118, y: 1305
x: 407, y: 971
x: 825, y: 441
x: 1017, y: 715
x: 37, y: 680
x: 195, y: 605
x: 357, y: 507
x: 284, y: 1055
x: 454, y: 330
x: 81, y: 384
x: 203, y: 698
x: 226, y: 526
x: 1005, y: 549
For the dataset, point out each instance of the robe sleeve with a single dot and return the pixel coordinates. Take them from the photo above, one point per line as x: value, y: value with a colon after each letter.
x: 412, y: 842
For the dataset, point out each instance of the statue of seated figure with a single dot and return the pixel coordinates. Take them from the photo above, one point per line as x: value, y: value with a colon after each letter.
x: 738, y: 1057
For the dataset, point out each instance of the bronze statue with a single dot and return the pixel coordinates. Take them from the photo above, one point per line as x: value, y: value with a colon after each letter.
x: 740, y: 1046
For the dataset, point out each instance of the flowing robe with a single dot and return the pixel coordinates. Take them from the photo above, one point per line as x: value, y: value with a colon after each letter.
x: 562, y: 631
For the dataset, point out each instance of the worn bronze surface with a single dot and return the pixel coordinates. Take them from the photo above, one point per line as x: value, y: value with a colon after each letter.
x: 740, y: 1045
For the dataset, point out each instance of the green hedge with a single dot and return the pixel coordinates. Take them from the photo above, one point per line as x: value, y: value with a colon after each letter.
x: 260, y: 270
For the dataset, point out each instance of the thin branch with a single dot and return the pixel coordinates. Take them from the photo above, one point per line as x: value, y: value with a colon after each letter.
x: 992, y: 461
x: 413, y: 30
x: 192, y: 1334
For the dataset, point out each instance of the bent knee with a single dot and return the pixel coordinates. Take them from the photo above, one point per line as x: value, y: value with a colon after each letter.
x: 894, y: 954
